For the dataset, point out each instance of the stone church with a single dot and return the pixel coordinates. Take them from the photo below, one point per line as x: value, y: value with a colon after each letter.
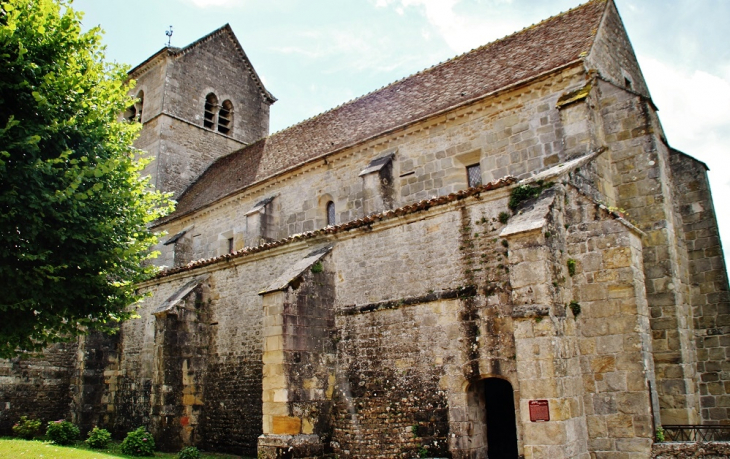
x: 499, y: 255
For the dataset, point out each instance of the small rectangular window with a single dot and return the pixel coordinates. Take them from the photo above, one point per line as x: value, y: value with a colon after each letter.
x: 474, y: 175
x: 230, y: 245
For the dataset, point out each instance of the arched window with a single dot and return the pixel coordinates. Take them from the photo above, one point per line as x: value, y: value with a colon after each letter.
x: 225, y: 117
x: 139, y: 105
x: 211, y: 111
x: 330, y: 213
x: 134, y: 111
x: 130, y: 114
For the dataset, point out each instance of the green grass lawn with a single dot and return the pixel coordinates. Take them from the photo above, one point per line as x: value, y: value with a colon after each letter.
x: 13, y: 448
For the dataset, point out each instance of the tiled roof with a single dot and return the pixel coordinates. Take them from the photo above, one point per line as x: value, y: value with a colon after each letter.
x: 538, y: 49
x: 367, y: 221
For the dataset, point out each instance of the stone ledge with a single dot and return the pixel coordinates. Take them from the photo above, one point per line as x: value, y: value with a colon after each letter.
x: 452, y: 294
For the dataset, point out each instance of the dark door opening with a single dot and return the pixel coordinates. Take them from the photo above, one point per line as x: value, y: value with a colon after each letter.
x: 501, y: 426
x: 496, y: 399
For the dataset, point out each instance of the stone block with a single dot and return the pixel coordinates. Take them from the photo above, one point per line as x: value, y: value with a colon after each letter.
x: 544, y: 433
x: 619, y: 426
x: 286, y: 425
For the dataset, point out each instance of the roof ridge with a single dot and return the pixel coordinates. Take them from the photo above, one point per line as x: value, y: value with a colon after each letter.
x: 184, y: 49
x: 451, y: 59
x: 177, y: 52
x: 227, y: 28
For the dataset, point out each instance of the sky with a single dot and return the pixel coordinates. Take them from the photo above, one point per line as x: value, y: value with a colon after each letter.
x: 314, y: 55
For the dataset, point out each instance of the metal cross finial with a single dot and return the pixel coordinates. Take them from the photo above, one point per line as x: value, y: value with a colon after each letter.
x: 169, y: 36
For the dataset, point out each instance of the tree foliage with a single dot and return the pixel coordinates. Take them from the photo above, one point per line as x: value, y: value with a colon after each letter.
x: 74, y: 212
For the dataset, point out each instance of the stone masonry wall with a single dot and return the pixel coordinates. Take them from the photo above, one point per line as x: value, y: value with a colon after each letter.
x: 709, y: 286
x: 642, y: 178
x: 152, y: 84
x: 89, y: 405
x: 708, y: 450
x: 39, y: 388
x: 175, y: 88
x: 216, y: 66
x: 547, y: 352
x: 205, y: 392
x: 185, y: 151
x: 516, y: 133
x: 611, y: 315
x: 299, y: 363
x: 613, y: 56
x: 410, y: 340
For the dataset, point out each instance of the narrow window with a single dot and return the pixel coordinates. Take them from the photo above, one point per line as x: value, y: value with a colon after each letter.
x: 474, y: 175
x: 140, y: 105
x: 230, y: 245
x: 628, y: 83
x: 225, y: 117
x: 330, y: 213
x: 211, y: 109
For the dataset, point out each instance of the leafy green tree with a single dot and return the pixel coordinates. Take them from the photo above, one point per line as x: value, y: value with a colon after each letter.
x: 74, y: 212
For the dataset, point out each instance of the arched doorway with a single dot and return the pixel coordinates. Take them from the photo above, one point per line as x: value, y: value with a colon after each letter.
x: 492, y: 404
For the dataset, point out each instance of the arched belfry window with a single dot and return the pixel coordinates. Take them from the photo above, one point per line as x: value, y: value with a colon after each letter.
x: 225, y: 117
x: 134, y: 111
x: 330, y: 213
x: 139, y: 105
x: 211, y: 111
x: 130, y: 114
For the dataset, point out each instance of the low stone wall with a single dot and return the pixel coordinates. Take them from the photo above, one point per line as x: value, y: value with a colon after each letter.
x: 711, y: 450
x: 37, y: 387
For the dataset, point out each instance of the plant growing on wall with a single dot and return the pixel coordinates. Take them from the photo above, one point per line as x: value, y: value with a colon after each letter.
x: 574, y: 308
x: 571, y: 267
x: 523, y: 193
x: 74, y: 211
x: 659, y: 435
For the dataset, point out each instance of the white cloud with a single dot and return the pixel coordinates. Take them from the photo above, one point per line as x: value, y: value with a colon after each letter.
x: 460, y: 31
x: 347, y: 50
x: 217, y: 3
x: 694, y: 107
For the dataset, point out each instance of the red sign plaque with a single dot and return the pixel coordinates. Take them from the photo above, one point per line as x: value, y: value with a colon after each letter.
x: 539, y: 410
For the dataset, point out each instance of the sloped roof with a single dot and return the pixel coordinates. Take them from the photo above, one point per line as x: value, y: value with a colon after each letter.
x: 177, y: 52
x: 536, y: 50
